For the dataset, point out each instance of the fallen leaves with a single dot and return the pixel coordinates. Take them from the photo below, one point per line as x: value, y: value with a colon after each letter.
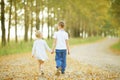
x: 23, y: 67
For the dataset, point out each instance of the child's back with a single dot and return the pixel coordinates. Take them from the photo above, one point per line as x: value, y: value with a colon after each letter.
x: 39, y: 49
x: 40, y: 45
x: 61, y: 46
x: 61, y: 37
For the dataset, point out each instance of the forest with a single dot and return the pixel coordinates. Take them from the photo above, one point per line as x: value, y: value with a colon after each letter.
x: 93, y: 28
x: 83, y: 18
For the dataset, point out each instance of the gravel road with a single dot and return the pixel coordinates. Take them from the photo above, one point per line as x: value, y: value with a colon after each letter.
x: 98, y: 54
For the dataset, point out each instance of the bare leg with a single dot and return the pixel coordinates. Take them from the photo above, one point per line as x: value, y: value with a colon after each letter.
x: 41, y: 66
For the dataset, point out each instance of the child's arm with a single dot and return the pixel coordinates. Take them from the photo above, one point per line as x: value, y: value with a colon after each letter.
x: 67, y: 43
x: 47, y: 47
x: 33, y: 49
x: 54, y: 45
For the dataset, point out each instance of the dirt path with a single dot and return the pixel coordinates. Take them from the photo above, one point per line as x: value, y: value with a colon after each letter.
x: 24, y: 67
x: 98, y: 54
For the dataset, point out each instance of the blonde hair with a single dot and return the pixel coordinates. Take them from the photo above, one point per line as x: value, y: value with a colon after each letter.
x: 38, y: 34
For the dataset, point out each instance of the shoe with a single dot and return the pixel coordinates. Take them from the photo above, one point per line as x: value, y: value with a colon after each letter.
x: 63, y: 72
x: 42, y: 73
x: 58, y: 71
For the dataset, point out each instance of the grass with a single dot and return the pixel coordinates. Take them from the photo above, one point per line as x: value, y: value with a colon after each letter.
x: 13, y: 47
x: 75, y: 41
x: 116, y: 47
x: 23, y: 47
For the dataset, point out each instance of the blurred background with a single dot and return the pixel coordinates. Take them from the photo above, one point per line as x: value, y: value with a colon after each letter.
x: 87, y: 21
x: 83, y: 19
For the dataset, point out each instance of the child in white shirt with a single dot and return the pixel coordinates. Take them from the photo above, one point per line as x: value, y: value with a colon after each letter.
x: 39, y: 50
x: 61, y: 47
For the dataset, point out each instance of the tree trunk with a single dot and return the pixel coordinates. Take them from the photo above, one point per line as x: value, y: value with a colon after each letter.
x: 37, y: 15
x: 3, y: 23
x: 42, y: 20
x: 26, y: 22
x: 51, y: 28
x: 48, y: 22
x: 9, y: 25
x: 54, y: 21
x: 31, y: 21
x: 16, y: 39
x: 57, y: 16
x: 80, y: 27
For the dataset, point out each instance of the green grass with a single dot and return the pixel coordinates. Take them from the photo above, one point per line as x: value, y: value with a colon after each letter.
x: 24, y: 47
x: 12, y: 47
x: 75, y: 41
x: 116, y: 46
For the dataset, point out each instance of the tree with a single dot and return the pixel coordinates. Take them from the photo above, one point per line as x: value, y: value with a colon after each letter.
x: 3, y: 23
x: 37, y: 14
x: 26, y: 20
x: 15, y: 4
x: 115, y: 13
x: 42, y: 9
x: 91, y: 18
x: 48, y: 20
x: 9, y: 25
x: 31, y: 18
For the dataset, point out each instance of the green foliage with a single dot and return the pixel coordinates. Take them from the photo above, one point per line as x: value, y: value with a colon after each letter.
x: 115, y: 15
x: 115, y: 10
x: 92, y: 18
x: 116, y: 46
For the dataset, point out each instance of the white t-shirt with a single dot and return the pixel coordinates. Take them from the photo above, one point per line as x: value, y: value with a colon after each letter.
x: 61, y: 36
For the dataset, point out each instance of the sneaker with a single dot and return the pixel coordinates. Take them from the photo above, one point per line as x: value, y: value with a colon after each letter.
x: 58, y: 71
x: 63, y: 72
x: 42, y: 73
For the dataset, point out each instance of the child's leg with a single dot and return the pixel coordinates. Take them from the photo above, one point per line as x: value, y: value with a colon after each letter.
x: 63, y: 61
x: 42, y: 62
x: 40, y: 65
x: 58, y: 58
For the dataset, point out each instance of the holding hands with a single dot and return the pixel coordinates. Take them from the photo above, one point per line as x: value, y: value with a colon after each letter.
x: 52, y: 52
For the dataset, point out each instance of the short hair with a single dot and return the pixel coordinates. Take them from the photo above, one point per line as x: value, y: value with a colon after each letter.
x: 61, y: 23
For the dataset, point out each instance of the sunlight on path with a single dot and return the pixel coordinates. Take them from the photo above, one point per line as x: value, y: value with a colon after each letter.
x: 98, y: 54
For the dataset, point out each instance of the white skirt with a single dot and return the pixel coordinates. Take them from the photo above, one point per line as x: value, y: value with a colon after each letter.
x: 41, y: 56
